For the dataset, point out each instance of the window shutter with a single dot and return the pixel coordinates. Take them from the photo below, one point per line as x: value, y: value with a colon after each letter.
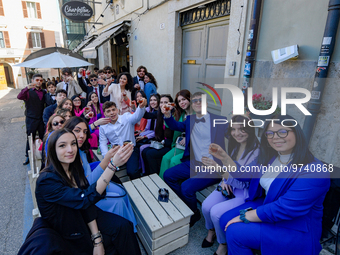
x: 37, y: 5
x: 6, y: 37
x: 42, y: 39
x: 2, y: 13
x: 29, y: 40
x: 24, y: 9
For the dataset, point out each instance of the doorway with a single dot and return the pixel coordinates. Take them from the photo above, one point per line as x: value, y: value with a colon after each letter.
x: 204, y: 50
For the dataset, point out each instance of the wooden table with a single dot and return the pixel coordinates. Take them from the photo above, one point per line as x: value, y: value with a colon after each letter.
x: 162, y: 227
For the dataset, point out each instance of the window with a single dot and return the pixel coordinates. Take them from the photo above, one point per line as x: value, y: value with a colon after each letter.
x: 36, y: 40
x: 4, y: 40
x: 31, y: 10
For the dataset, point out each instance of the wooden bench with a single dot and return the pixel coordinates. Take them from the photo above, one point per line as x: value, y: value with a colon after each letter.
x: 203, y: 194
x: 162, y: 227
x: 121, y: 174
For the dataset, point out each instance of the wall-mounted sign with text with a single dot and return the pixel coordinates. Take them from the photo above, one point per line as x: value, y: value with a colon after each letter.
x: 77, y: 11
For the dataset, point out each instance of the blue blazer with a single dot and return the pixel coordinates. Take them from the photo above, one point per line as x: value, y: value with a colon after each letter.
x: 48, y: 112
x: 292, y: 210
x: 217, y: 133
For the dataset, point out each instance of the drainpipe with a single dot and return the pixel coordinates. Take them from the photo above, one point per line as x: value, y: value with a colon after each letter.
x: 326, y: 52
x: 251, y: 46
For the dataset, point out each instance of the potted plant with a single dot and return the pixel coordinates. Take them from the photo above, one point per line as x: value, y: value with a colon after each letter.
x: 260, y: 103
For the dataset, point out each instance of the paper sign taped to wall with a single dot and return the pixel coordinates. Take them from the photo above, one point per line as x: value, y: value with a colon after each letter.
x: 286, y: 53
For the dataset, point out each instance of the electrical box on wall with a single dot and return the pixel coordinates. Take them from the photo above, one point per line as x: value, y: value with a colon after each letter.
x: 232, y: 68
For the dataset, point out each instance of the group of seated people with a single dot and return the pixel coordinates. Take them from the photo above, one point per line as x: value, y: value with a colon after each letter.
x: 276, y: 212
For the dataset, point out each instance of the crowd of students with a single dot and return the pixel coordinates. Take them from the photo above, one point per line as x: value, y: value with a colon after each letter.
x: 277, y: 212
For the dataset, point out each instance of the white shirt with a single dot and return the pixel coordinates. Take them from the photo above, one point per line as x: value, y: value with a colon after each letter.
x: 201, y: 138
x: 141, y: 83
x: 115, y: 94
x: 65, y: 86
x: 98, y: 92
x: 269, y: 176
x: 121, y: 131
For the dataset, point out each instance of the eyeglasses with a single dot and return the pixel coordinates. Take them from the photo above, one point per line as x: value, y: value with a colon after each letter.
x: 93, y: 80
x: 282, y: 133
x: 195, y: 101
x: 56, y: 123
x: 76, y: 100
x: 108, y: 72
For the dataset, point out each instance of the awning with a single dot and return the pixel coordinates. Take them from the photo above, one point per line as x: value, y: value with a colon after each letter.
x: 90, y: 51
x: 84, y: 43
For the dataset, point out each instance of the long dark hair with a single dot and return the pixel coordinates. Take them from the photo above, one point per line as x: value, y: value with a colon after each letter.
x: 80, y: 106
x: 159, y: 131
x: 178, y: 111
x: 53, y: 164
x: 152, y: 79
x: 98, y: 105
x: 158, y: 98
x: 142, y: 93
x: 72, y: 123
x: 252, y: 141
x: 129, y: 84
x: 301, y: 153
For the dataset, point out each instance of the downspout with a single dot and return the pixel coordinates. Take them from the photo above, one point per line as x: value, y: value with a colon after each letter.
x: 324, y: 60
x: 251, y: 45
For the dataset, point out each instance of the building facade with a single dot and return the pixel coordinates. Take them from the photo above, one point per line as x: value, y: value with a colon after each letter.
x: 189, y: 41
x: 26, y: 27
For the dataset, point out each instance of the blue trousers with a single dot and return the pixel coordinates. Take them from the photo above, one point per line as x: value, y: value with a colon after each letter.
x: 132, y: 165
x: 241, y: 237
x: 181, y: 179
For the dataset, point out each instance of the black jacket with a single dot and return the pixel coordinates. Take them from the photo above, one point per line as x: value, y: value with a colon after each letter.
x: 48, y: 112
x: 68, y: 210
x: 49, y: 100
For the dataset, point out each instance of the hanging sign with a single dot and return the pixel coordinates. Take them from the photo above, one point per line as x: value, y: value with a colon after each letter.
x: 77, y: 11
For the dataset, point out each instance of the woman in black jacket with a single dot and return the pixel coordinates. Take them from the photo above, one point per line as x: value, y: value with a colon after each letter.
x: 66, y: 202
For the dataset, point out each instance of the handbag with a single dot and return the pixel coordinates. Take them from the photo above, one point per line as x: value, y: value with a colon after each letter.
x: 156, y: 145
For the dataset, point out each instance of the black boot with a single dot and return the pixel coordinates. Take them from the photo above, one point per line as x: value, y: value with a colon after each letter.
x: 27, y: 161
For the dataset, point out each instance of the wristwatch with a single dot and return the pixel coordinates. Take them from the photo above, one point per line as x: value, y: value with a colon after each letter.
x: 243, y: 214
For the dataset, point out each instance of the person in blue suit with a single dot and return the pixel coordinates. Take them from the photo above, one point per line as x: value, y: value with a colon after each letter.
x: 138, y: 81
x: 200, y: 131
x: 49, y: 111
x: 283, y: 213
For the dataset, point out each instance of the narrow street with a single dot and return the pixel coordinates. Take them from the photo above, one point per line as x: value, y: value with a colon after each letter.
x: 13, y: 173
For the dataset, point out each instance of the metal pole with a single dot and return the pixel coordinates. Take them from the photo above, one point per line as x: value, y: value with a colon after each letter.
x: 251, y: 46
x: 324, y: 60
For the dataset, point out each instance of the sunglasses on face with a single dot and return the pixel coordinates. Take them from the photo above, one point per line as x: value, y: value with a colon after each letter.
x: 195, y: 101
x: 282, y: 133
x: 108, y: 72
x: 56, y: 123
x: 93, y: 80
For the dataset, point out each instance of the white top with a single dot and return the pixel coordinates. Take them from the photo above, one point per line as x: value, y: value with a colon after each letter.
x: 201, y: 138
x: 121, y: 131
x: 268, y: 178
x: 115, y: 94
